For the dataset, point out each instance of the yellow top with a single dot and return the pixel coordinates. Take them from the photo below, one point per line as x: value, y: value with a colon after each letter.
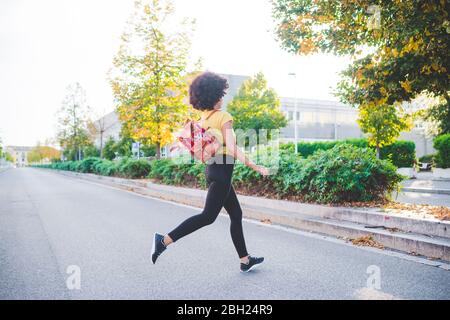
x: 215, y: 123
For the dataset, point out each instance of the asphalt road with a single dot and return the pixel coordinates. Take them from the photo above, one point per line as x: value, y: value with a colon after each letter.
x: 49, y: 222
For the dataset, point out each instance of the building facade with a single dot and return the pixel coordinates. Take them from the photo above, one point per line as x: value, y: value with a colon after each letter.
x: 107, y: 127
x: 20, y: 154
x: 318, y: 120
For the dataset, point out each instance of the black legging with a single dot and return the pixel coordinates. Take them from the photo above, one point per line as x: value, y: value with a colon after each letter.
x: 220, y: 194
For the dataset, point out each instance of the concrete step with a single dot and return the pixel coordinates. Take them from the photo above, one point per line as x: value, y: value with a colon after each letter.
x: 429, y: 246
x: 372, y: 217
x: 426, y: 190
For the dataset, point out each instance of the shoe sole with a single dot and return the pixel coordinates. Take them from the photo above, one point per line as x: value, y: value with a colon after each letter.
x: 251, y: 268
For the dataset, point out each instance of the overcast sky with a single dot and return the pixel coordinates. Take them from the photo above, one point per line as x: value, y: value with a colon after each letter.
x: 45, y: 45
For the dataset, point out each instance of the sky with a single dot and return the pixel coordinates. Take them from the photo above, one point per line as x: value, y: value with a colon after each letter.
x: 46, y: 45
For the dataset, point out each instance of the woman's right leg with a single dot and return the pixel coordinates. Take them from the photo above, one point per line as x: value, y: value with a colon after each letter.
x: 217, y: 194
x: 235, y: 212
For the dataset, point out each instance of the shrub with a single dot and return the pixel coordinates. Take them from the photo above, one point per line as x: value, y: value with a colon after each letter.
x: 148, y: 151
x: 344, y: 173
x: 347, y: 173
x: 360, y: 143
x: 109, y: 149
x: 287, y: 147
x: 131, y: 168
x: 307, y: 149
x: 178, y: 172
x: 87, y: 165
x: 73, y: 165
x: 428, y: 158
x: 442, y: 145
x: 401, y: 153
x: 105, y: 168
x: 91, y: 151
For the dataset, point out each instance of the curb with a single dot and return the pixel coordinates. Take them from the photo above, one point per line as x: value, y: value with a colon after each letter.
x: 426, y: 190
x: 430, y: 238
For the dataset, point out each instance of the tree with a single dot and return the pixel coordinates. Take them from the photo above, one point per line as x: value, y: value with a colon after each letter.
x: 109, y: 151
x: 91, y: 151
x: 150, y: 84
x: 123, y: 147
x: 8, y: 157
x: 98, y: 128
x: 399, y: 48
x: 256, y: 106
x: 440, y: 113
x: 148, y: 151
x: 43, y: 153
x: 72, y: 122
x: 383, y: 124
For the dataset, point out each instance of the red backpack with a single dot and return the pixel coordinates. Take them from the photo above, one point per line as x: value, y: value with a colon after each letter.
x: 201, y: 143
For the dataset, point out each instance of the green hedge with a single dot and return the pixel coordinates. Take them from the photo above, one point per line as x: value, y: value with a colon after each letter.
x: 442, y: 145
x: 401, y: 153
x: 344, y: 173
x: 134, y: 169
x: 106, y: 168
x: 178, y: 173
x: 127, y: 167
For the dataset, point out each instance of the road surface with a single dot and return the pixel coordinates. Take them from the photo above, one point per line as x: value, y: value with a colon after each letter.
x: 51, y: 224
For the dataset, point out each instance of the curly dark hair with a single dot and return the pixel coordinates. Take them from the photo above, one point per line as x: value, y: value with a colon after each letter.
x: 206, y: 90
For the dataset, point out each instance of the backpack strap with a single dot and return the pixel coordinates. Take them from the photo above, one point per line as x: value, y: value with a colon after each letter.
x: 209, y: 116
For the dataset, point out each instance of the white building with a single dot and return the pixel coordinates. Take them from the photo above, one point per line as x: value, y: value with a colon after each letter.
x: 107, y: 127
x: 319, y: 120
x: 20, y: 154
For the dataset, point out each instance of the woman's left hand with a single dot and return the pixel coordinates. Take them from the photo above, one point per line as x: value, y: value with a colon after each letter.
x: 262, y: 170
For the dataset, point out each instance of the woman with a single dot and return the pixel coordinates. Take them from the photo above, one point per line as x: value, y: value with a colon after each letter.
x: 206, y: 94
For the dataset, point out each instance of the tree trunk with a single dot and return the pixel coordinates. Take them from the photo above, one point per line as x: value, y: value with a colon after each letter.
x: 378, y: 151
x: 158, y: 150
x: 446, y: 128
x: 101, y: 145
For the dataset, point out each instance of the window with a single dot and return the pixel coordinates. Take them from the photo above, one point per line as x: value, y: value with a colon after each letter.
x: 291, y: 115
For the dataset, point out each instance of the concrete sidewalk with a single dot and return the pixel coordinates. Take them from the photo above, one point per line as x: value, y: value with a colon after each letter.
x: 427, y: 237
x: 427, y: 186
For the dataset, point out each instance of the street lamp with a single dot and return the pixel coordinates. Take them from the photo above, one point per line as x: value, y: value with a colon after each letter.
x: 294, y: 77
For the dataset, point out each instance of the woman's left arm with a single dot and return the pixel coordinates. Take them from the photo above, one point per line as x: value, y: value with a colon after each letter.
x: 236, y: 152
